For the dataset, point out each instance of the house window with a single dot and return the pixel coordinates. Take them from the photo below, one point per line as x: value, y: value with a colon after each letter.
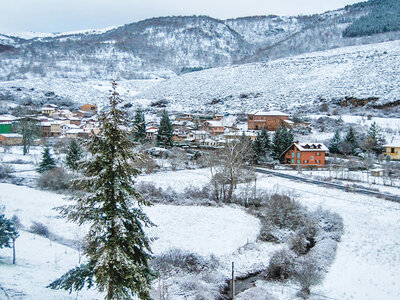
x: 298, y: 161
x: 292, y: 161
x: 312, y: 158
x: 305, y: 161
x: 392, y: 150
x: 292, y: 154
x: 318, y: 154
x: 298, y: 154
x: 317, y: 161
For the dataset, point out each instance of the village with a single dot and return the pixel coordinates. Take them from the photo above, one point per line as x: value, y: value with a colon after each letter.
x: 190, y: 130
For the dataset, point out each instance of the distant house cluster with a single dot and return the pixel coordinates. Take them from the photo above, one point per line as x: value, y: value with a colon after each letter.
x: 53, y: 122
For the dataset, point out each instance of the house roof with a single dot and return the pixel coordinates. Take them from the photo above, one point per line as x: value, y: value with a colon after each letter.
x: 311, y: 147
x: 152, y: 130
x: 7, y: 118
x: 392, y: 145
x: 71, y: 126
x: 11, y: 135
x: 48, y: 108
x: 269, y: 113
x: 240, y: 133
x: 215, y: 123
x: 308, y: 147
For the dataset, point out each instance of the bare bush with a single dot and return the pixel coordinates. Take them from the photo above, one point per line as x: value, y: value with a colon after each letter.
x: 194, y: 192
x: 281, y: 265
x: 55, y: 179
x: 40, y: 229
x: 179, y: 260
x: 331, y: 223
x: 5, y: 170
x: 298, y: 243
x: 307, y: 274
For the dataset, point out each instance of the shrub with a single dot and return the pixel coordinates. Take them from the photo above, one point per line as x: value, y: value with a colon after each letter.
x: 55, y: 179
x: 5, y: 170
x: 176, y: 259
x: 17, y: 222
x: 281, y: 265
x: 284, y: 212
x: 307, y: 274
x: 39, y: 229
x: 298, y: 243
x: 148, y: 189
x: 331, y: 223
x: 194, y: 192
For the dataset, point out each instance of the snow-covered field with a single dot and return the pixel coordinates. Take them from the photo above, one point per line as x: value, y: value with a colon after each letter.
x: 202, y: 230
x: 368, y: 258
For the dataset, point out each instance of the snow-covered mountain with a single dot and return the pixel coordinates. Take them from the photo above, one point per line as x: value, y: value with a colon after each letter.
x: 161, y: 47
x: 301, y: 82
x: 298, y: 83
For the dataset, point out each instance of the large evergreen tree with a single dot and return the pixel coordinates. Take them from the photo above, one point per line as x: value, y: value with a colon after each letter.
x: 74, y: 155
x: 47, y: 162
x: 350, y: 142
x: 139, y: 127
x: 117, y: 249
x: 334, y: 145
x: 165, y: 131
x: 261, y: 145
x: 283, y: 139
x: 8, y: 233
x: 375, y: 139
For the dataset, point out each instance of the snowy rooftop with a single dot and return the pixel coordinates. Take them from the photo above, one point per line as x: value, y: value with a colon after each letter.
x: 7, y: 118
x: 396, y: 145
x: 215, y: 123
x: 269, y: 113
x: 11, y: 135
x: 311, y: 146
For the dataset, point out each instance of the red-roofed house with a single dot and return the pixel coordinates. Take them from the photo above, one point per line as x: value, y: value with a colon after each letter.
x: 305, y: 154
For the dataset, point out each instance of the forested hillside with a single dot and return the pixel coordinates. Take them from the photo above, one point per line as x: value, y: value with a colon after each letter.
x: 384, y: 16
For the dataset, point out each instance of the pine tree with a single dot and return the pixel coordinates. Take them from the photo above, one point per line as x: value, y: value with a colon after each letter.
x: 165, y: 131
x: 74, y: 155
x: 334, y: 146
x: 374, y: 139
x: 351, y: 140
x: 8, y: 233
x: 47, y: 162
x: 283, y: 139
x: 139, y: 127
x: 118, y: 249
x: 261, y: 145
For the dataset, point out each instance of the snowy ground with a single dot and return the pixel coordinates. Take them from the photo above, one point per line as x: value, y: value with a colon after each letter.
x: 368, y: 258
x: 390, y: 126
x: 345, y: 177
x: 202, y: 230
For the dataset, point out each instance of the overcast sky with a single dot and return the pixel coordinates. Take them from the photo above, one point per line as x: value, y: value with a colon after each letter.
x: 68, y: 15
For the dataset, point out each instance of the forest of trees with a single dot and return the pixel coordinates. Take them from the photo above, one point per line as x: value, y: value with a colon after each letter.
x: 384, y: 17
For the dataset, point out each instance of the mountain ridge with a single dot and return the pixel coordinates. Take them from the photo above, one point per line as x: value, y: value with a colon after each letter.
x: 168, y: 46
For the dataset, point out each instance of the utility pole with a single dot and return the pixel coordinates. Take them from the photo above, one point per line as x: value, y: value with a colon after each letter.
x: 233, y: 281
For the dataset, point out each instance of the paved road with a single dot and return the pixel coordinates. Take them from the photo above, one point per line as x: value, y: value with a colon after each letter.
x: 387, y: 196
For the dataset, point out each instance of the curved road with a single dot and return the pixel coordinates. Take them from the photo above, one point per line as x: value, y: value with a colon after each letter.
x: 387, y: 196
